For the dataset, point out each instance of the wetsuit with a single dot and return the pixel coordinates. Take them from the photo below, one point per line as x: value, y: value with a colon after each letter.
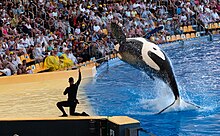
x: 72, y: 93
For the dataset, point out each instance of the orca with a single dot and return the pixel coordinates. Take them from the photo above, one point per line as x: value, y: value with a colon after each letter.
x: 148, y: 57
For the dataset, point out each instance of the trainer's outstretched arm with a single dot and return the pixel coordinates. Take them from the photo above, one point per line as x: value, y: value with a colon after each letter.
x: 80, y: 78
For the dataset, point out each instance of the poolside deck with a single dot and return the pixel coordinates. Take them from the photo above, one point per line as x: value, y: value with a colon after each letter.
x: 36, y: 95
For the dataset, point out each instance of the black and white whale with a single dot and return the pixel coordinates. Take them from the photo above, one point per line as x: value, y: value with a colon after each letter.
x: 146, y: 56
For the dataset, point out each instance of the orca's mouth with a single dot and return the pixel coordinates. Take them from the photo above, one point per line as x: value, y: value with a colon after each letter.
x: 157, y: 59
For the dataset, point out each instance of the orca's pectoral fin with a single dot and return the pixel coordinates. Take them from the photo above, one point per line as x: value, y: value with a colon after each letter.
x: 166, y: 107
x: 157, y: 29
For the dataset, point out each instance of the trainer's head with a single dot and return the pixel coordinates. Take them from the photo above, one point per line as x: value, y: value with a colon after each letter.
x: 71, y: 80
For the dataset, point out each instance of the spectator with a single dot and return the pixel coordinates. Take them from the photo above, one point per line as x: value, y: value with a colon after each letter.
x: 69, y: 24
x: 38, y: 53
x: 71, y: 56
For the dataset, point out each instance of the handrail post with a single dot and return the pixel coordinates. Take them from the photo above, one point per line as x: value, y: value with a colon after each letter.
x: 210, y: 36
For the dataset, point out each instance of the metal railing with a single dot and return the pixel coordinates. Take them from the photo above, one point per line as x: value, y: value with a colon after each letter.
x: 106, y: 58
x: 193, y: 19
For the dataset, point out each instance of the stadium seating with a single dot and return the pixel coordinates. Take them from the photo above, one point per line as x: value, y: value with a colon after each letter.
x: 188, y: 36
x: 190, y: 29
x: 178, y: 37
x: 173, y: 38
x: 192, y: 35
x: 183, y: 36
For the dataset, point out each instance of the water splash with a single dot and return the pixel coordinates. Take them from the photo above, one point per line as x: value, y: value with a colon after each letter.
x: 163, y: 98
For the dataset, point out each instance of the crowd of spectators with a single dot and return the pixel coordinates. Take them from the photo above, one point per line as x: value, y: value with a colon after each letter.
x: 80, y: 29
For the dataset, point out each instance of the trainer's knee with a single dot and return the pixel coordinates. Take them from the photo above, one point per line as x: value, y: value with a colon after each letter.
x: 58, y: 104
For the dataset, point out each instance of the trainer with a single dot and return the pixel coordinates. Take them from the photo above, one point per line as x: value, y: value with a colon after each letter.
x: 72, y: 93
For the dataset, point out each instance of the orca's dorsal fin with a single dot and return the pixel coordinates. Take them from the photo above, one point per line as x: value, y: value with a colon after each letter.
x: 118, y: 33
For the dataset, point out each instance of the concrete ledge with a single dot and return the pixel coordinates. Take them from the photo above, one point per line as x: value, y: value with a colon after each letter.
x: 122, y: 120
x: 73, y: 125
x: 54, y: 118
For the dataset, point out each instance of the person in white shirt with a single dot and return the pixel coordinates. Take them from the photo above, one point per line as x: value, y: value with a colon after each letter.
x: 81, y: 8
x: 51, y: 37
x: 41, y: 39
x: 20, y: 47
x: 215, y: 15
x: 128, y: 13
x: 15, y: 60
x: 71, y: 56
x: 135, y: 5
x: 4, y: 44
x: 77, y: 30
x: 54, y: 13
x: 28, y: 25
x: 38, y: 52
x: 183, y: 18
x: 96, y: 27
x: 5, y: 71
x: 25, y: 41
x: 110, y: 16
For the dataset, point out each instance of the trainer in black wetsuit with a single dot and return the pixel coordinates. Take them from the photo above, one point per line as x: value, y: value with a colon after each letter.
x: 72, y: 92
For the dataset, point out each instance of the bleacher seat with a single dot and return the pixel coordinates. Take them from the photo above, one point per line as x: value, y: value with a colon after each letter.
x: 168, y: 39
x: 173, y: 38
x: 178, y: 37
x: 26, y: 57
x: 36, y: 68
x: 210, y: 26
x: 183, y: 36
x: 192, y: 35
x: 190, y: 29
x: 214, y: 25
x: 214, y: 32
x: 185, y: 29
x: 188, y: 36
x: 197, y: 34
x: 206, y: 26
x: 22, y: 57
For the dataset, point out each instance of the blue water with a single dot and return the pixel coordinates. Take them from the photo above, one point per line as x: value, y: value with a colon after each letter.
x: 119, y: 89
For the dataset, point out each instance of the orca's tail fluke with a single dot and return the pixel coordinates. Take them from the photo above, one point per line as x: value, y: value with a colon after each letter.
x: 176, y: 103
x: 167, y: 107
x: 193, y: 104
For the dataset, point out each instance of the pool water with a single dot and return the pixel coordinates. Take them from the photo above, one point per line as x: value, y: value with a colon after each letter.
x: 120, y: 89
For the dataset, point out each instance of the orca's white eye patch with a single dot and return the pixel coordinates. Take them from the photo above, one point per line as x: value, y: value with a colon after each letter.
x: 151, y: 47
x: 147, y: 59
x: 156, y: 50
